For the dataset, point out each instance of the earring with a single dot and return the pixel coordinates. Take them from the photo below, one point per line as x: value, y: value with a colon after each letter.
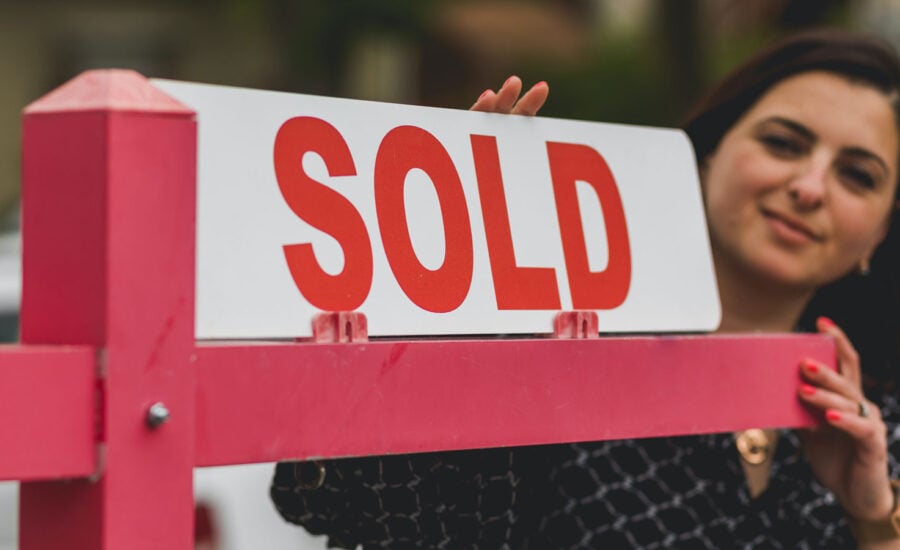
x: 864, y: 268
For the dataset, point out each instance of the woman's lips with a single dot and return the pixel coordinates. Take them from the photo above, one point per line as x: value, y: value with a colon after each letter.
x: 789, y: 228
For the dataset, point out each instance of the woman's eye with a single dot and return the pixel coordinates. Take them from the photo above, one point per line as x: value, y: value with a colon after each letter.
x: 782, y: 145
x: 858, y: 176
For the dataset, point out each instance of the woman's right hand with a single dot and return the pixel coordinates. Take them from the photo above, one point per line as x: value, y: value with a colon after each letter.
x: 507, y: 101
x: 849, y: 453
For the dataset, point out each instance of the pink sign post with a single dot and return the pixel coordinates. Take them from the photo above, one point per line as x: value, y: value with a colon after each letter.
x: 108, y: 217
x: 111, y: 402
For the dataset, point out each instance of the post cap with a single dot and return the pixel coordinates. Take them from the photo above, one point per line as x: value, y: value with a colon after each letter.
x: 108, y: 90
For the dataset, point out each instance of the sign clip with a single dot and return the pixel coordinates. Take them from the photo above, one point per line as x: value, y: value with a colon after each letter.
x: 340, y: 326
x: 572, y: 325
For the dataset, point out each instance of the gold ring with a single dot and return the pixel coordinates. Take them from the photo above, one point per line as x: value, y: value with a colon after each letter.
x: 864, y: 409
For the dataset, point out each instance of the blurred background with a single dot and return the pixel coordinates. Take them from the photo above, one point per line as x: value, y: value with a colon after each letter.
x: 634, y: 61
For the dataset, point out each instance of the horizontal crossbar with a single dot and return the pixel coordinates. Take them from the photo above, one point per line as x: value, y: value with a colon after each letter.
x: 48, y: 405
x: 258, y: 403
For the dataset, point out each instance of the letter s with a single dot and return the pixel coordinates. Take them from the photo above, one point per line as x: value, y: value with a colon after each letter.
x: 326, y: 210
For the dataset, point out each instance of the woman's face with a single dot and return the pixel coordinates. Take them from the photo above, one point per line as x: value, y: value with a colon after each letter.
x: 800, y: 189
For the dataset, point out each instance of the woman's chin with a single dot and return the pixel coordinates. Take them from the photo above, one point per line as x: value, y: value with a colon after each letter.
x: 776, y: 272
x: 792, y: 276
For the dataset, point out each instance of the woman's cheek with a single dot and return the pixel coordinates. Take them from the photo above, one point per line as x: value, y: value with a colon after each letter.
x: 859, y: 223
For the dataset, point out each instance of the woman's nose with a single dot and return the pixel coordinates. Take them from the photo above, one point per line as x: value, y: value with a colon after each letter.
x: 807, y: 187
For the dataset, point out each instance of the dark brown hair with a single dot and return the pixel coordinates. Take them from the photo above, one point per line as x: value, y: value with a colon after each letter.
x: 867, y: 308
x: 858, y: 57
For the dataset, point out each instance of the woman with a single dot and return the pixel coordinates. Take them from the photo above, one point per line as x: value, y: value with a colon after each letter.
x: 798, y: 153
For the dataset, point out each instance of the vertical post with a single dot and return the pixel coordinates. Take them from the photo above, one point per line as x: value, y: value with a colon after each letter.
x: 109, y: 169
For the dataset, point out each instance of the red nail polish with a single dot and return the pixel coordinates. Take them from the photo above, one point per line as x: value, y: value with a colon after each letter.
x: 811, y: 367
x: 832, y: 415
x: 825, y: 322
x: 806, y: 389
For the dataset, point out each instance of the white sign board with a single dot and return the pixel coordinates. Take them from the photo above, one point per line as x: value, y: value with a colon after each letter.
x: 438, y: 221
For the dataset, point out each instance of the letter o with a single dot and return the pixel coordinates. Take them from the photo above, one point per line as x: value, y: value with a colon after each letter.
x: 445, y: 288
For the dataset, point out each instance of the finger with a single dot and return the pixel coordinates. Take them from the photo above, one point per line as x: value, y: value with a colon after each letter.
x: 532, y: 101
x: 869, y: 435
x: 823, y: 400
x: 486, y: 102
x: 508, y: 94
x: 817, y: 374
x: 848, y: 358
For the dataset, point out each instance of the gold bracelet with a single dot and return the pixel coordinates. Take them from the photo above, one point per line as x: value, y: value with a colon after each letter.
x: 879, y: 530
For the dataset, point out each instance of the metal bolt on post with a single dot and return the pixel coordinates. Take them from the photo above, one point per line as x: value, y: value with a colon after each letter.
x: 157, y: 415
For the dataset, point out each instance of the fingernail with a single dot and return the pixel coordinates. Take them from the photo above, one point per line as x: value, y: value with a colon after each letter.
x: 541, y: 83
x: 508, y: 80
x: 825, y: 322
x: 806, y: 389
x: 832, y: 415
x: 484, y: 94
x: 810, y: 366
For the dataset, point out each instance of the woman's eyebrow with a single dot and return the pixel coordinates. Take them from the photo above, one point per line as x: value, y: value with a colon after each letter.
x: 793, y: 125
x: 810, y: 135
x: 865, y: 153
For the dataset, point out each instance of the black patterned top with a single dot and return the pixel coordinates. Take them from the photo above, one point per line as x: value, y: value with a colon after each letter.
x: 684, y: 492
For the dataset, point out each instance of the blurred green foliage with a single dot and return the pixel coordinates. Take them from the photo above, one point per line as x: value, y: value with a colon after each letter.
x: 620, y: 82
x: 650, y: 75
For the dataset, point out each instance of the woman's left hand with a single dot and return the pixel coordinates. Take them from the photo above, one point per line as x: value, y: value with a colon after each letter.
x: 507, y: 99
x: 848, y: 453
